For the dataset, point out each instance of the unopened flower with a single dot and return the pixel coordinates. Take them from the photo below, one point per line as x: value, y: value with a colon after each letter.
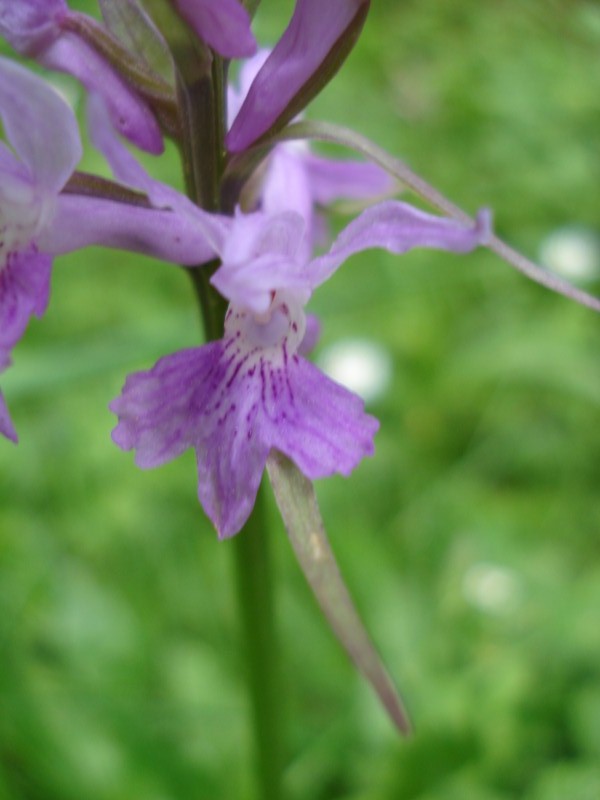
x: 235, y: 399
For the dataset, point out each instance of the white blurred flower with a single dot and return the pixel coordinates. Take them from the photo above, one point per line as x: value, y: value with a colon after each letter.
x: 573, y: 252
x: 492, y: 588
x: 362, y: 366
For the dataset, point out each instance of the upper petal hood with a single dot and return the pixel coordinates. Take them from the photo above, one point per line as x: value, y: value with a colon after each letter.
x: 50, y: 150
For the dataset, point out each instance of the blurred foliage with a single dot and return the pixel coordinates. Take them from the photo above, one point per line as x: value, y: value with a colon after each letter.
x: 470, y: 541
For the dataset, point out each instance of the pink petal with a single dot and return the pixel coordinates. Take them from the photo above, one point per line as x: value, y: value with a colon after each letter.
x: 188, y: 400
x: 81, y: 221
x: 128, y: 170
x: 24, y: 291
x: 50, y: 149
x: 236, y: 93
x: 398, y: 227
x: 313, y: 32
x: 332, y: 180
x: 287, y: 187
x: 130, y: 115
x: 30, y: 25
x: 262, y: 253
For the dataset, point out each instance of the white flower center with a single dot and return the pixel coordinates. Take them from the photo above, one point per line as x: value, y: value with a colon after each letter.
x: 275, y: 335
x: 23, y: 213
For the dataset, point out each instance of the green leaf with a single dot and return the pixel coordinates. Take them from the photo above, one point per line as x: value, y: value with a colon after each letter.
x: 297, y: 503
x: 134, y: 69
x: 251, y: 6
x: 128, y: 21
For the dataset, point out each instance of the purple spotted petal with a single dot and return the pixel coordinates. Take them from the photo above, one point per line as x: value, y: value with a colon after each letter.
x: 223, y: 24
x: 398, y: 227
x: 24, y: 291
x: 50, y: 149
x: 187, y: 400
x: 7, y: 428
x: 316, y: 28
x: 346, y: 180
x: 233, y: 401
x: 328, y: 431
x: 30, y: 25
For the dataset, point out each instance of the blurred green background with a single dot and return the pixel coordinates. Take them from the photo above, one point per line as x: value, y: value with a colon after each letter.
x: 470, y: 541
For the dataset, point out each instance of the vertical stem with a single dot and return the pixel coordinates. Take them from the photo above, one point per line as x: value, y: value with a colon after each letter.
x: 202, y: 101
x: 255, y: 596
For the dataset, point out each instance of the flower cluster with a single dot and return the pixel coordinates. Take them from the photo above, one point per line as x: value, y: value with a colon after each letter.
x: 251, y: 389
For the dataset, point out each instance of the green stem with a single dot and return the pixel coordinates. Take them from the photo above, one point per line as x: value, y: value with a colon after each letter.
x: 201, y: 90
x: 255, y: 597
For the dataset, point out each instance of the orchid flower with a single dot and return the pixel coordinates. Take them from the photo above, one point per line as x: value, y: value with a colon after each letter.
x: 39, y: 221
x: 236, y: 399
x: 49, y: 32
x: 223, y: 24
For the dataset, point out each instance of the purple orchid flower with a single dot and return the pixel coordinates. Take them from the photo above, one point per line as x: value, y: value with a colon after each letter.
x: 223, y: 24
x: 236, y: 399
x: 47, y: 31
x: 39, y: 221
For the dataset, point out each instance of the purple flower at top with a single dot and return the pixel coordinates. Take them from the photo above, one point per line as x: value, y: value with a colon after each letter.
x: 223, y: 24
x: 235, y: 399
x: 43, y: 29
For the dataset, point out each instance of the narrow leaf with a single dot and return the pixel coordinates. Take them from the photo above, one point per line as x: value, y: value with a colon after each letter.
x: 297, y: 503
